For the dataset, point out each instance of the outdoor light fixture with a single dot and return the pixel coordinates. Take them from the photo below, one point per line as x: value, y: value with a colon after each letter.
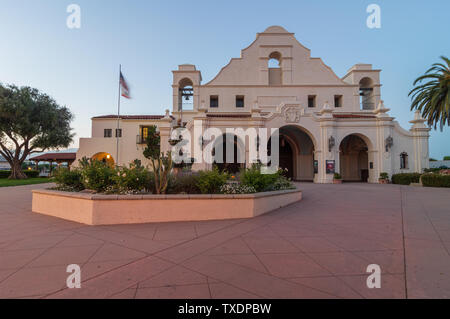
x: 331, y: 143
x: 389, y: 143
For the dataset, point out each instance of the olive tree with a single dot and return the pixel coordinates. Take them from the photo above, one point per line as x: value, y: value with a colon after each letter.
x: 30, y: 122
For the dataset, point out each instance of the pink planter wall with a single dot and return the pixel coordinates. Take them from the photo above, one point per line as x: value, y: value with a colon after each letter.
x: 112, y: 209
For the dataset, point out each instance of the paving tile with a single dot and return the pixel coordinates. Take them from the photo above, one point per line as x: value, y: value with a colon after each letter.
x: 224, y: 291
x: 332, y: 285
x: 270, y: 245
x: 175, y: 276
x: 34, y: 281
x: 65, y: 256
x: 392, y: 286
x: 111, y: 252
x: 175, y: 292
x: 18, y: 258
x: 341, y: 263
x: 250, y: 261
x: 292, y: 265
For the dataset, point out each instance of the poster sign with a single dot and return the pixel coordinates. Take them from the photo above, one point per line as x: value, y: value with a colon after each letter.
x: 330, y: 166
x: 316, y: 167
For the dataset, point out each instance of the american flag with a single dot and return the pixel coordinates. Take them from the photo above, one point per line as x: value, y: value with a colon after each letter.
x: 125, y: 90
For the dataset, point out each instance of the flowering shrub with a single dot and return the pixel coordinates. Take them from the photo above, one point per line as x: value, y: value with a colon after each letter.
x: 135, y: 179
x: 282, y: 183
x: 96, y: 175
x: 210, y: 182
x: 68, y: 180
x: 236, y: 188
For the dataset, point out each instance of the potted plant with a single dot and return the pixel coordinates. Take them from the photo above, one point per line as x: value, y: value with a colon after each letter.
x: 337, y: 178
x: 384, y: 178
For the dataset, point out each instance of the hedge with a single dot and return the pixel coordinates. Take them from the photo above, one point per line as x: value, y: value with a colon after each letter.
x: 435, y: 180
x: 406, y: 178
x: 30, y: 174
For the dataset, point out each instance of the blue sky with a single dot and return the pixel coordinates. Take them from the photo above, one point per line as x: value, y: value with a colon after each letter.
x: 79, y: 68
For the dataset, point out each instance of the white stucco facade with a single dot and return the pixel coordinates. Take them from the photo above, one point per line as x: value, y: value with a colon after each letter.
x: 322, y: 118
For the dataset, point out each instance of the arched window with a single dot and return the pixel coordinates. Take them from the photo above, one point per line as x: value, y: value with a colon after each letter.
x: 367, y: 100
x: 186, y: 95
x: 404, y: 160
x: 275, y: 71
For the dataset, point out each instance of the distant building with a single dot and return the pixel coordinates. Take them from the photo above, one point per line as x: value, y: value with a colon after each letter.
x: 439, y: 164
x: 4, y: 165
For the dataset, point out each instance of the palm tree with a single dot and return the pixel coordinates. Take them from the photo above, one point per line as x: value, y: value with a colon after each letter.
x: 432, y: 99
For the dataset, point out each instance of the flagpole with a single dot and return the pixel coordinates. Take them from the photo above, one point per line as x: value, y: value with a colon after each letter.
x: 118, y: 119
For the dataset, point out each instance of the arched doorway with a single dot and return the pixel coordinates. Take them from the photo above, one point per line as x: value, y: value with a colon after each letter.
x: 296, y: 150
x: 105, y: 158
x: 228, y: 154
x: 354, y: 159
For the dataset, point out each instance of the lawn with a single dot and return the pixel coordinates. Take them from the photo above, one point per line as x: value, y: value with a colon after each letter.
x: 4, y: 182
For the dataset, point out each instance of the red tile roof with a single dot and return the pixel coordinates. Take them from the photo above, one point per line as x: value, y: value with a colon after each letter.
x: 55, y: 157
x: 229, y: 115
x: 131, y: 117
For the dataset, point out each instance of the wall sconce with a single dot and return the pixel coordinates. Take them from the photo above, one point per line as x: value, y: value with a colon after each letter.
x: 331, y: 143
x: 389, y: 143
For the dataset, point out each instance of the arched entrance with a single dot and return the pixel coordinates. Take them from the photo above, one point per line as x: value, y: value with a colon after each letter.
x: 296, y: 153
x: 228, y: 154
x: 105, y: 158
x: 354, y: 159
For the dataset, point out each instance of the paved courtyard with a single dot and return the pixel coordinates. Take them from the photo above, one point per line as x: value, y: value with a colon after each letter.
x: 318, y: 248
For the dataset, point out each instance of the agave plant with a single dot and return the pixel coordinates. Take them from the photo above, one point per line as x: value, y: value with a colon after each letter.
x: 432, y: 99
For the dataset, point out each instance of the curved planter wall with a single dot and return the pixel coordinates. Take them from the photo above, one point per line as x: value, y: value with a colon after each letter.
x: 138, y: 209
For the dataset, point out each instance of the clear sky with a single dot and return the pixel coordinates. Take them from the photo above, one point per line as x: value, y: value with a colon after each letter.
x: 79, y: 67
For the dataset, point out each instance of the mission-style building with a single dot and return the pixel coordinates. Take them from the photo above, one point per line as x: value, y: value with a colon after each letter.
x: 327, y: 124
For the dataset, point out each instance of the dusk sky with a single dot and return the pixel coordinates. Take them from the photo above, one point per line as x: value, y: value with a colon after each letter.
x: 79, y: 67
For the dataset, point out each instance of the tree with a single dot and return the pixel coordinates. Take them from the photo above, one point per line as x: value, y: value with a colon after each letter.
x: 162, y: 164
x: 432, y: 99
x: 30, y: 122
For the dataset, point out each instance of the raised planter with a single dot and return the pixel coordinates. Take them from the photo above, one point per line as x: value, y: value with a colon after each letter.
x: 138, y: 209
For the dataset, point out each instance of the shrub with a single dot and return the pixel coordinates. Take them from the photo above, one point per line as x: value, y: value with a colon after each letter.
x: 261, y: 182
x: 406, y: 178
x: 183, y: 184
x: 337, y: 176
x: 97, y: 176
x: 435, y: 180
x: 29, y: 174
x: 134, y: 179
x: 384, y: 176
x: 210, y: 182
x: 69, y: 180
x: 236, y: 188
x: 282, y: 183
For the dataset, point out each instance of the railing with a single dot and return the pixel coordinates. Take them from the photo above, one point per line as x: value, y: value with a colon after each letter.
x: 140, y: 140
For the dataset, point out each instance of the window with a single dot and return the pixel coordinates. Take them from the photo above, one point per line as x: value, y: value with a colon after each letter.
x: 367, y: 98
x: 338, y: 101
x: 403, y: 161
x: 240, y: 101
x: 312, y: 101
x: 144, y: 132
x: 274, y: 66
x: 118, y: 132
x: 108, y: 132
x: 214, y: 101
